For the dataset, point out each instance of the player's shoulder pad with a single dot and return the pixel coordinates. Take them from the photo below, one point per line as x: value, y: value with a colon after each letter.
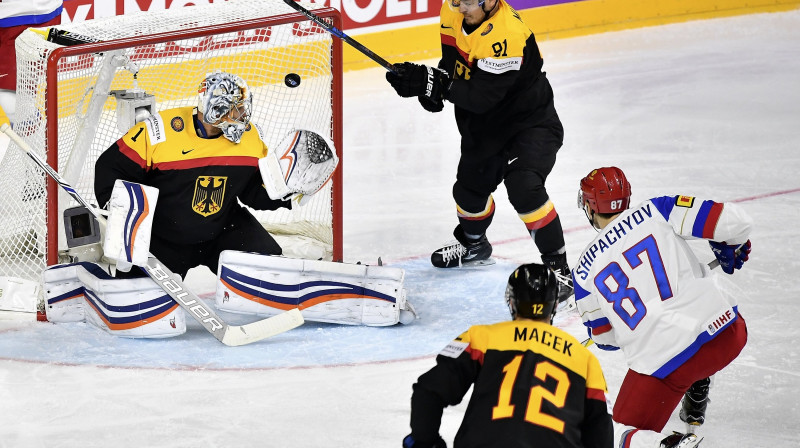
x: 502, y: 41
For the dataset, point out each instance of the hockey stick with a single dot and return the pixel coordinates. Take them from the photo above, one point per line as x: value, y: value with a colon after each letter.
x: 713, y: 264
x: 232, y: 335
x: 338, y: 33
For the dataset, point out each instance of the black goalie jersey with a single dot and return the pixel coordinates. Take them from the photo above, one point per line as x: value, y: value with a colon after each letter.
x: 534, y: 386
x: 498, y: 85
x: 199, y: 179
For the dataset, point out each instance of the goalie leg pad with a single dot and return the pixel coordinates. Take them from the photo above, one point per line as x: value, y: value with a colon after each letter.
x: 323, y: 291
x: 130, y: 220
x: 132, y: 308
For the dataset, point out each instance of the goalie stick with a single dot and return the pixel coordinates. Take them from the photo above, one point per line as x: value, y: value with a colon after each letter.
x: 338, y: 33
x: 713, y: 264
x: 231, y: 335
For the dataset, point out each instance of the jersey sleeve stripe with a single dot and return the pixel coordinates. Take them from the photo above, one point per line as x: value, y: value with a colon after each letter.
x: 475, y: 354
x: 712, y: 220
x: 601, y: 329
x: 595, y: 394
x: 128, y: 152
x: 599, y: 326
x: 706, y: 219
x: 450, y: 41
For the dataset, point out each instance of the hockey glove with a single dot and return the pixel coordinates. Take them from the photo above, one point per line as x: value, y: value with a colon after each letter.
x: 730, y: 256
x: 419, y: 80
x: 409, y: 442
x: 430, y: 105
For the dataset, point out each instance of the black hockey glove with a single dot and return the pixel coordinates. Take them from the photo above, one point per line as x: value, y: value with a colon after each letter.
x: 419, y: 80
x: 409, y: 442
x: 730, y: 256
x: 430, y: 105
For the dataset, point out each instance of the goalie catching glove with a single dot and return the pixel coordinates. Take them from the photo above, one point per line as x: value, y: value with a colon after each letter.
x: 299, y: 167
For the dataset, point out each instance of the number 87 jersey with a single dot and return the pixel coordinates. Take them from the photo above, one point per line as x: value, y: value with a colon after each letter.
x: 640, y: 287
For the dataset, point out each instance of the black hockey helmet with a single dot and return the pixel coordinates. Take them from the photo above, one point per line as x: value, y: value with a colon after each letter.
x: 532, y: 292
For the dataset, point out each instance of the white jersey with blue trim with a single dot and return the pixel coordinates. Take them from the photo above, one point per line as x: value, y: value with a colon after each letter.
x: 640, y: 287
x: 29, y: 12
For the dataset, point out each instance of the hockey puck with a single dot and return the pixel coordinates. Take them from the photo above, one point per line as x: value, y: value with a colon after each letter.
x: 292, y: 80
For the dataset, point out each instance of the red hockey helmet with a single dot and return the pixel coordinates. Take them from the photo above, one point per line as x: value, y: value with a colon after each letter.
x: 604, y: 190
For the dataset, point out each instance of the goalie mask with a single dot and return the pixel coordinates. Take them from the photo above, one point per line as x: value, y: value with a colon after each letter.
x: 225, y: 102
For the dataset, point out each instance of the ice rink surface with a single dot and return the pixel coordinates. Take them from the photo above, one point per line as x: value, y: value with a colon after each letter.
x: 707, y: 108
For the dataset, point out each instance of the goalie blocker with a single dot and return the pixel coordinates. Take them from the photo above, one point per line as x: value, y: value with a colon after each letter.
x: 129, y: 224
x: 340, y: 293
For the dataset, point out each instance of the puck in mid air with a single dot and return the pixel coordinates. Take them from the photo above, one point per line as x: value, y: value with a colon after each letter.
x: 292, y: 80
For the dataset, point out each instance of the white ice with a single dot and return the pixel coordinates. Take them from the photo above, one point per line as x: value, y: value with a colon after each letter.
x: 706, y: 108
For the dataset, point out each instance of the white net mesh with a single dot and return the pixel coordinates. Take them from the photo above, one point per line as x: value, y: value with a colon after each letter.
x: 169, y: 52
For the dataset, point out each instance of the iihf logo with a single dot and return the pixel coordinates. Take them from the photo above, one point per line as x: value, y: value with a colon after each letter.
x: 721, y: 321
x: 225, y: 297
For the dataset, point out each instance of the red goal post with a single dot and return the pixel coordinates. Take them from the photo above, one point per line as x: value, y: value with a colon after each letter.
x: 70, y: 109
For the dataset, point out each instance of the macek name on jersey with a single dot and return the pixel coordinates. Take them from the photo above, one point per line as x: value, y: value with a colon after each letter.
x: 547, y: 338
x: 614, y: 233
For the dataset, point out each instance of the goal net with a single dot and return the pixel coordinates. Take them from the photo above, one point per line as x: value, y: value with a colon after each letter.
x: 74, y: 101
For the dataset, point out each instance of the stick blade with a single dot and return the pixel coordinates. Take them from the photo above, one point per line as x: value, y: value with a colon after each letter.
x: 236, y: 335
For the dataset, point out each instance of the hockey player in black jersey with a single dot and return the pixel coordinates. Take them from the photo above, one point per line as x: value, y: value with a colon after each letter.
x: 534, y: 385
x: 204, y: 161
x: 491, y: 70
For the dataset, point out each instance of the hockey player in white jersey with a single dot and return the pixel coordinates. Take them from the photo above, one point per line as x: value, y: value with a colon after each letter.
x: 639, y: 287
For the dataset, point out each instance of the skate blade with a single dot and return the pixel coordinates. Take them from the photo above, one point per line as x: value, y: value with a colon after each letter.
x: 690, y: 428
x: 473, y: 264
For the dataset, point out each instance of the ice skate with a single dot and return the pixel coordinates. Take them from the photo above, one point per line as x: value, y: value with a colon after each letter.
x: 558, y: 263
x: 463, y: 252
x: 678, y: 440
x: 694, y: 404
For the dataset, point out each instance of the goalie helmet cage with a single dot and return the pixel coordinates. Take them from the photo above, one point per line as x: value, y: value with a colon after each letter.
x: 68, y: 112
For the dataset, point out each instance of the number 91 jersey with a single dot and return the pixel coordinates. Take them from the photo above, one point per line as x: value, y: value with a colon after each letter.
x: 640, y: 287
x: 499, y: 87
